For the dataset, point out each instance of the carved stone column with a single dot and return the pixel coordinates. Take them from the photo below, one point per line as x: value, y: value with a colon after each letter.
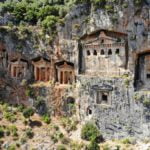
x: 35, y: 73
x: 46, y: 74
x: 39, y: 74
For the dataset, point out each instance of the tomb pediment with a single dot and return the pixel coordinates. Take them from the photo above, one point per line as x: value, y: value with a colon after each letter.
x: 102, y: 33
x: 19, y: 61
x: 102, y: 87
x: 103, y: 38
x: 65, y: 64
x: 40, y: 61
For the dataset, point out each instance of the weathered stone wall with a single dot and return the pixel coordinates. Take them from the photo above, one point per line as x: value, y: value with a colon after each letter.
x: 124, y: 117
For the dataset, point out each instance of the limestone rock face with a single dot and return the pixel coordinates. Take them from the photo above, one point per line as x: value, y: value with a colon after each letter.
x: 119, y: 104
x: 122, y: 115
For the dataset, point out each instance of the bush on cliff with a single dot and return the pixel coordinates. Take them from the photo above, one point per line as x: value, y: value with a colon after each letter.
x: 90, y: 132
x: 93, y: 145
x: 28, y: 112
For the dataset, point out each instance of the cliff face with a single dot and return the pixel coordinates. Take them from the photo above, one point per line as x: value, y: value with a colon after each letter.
x: 127, y: 111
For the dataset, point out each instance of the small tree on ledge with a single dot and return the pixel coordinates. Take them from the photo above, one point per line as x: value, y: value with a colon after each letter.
x: 28, y: 112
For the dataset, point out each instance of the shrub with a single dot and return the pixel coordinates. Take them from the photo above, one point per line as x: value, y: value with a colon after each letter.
x: 93, y: 145
x: 23, y: 140
x: 56, y: 127
x: 7, y: 132
x: 109, y: 8
x: 1, y: 132
x: 25, y: 122
x: 50, y: 23
x: 126, y: 141
x: 30, y: 92
x: 46, y: 119
x: 89, y: 132
x: 9, y: 116
x: 11, y: 147
x: 28, y: 112
x: 146, y: 103
x: 77, y: 146
x: 21, y: 108
x: 29, y: 133
x: 13, y: 129
x: 61, y: 147
x: 138, y: 2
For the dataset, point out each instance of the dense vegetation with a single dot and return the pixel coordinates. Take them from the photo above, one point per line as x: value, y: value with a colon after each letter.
x: 49, y: 12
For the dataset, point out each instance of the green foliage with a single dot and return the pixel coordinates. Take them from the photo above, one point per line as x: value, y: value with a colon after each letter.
x: 20, y: 11
x: 48, y: 11
x: 20, y: 108
x: 29, y: 91
x: 13, y: 129
x: 46, y: 119
x: 90, y: 131
x: 28, y: 112
x: 1, y: 132
x: 61, y: 147
x: 10, y: 116
x: 109, y: 8
x: 76, y: 146
x: 126, y: 141
x: 29, y: 133
x: 146, y: 103
x: 11, y: 147
x: 138, y: 2
x: 93, y: 145
x: 50, y: 23
x: 69, y: 124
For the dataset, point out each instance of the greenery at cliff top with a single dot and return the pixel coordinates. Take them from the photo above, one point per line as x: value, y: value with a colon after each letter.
x: 48, y: 13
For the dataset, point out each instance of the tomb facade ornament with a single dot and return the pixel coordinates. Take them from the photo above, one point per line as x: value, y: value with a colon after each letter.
x: 18, y: 68
x: 65, y: 72
x: 42, y: 69
x: 104, y: 53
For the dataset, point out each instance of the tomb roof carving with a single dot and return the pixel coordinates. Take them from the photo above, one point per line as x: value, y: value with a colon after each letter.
x: 102, y: 87
x: 19, y: 59
x: 107, y: 32
x: 39, y: 58
x: 64, y: 63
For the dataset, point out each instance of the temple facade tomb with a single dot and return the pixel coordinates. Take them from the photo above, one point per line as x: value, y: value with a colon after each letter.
x: 103, y: 54
x: 18, y: 68
x: 42, y: 69
x: 65, y: 72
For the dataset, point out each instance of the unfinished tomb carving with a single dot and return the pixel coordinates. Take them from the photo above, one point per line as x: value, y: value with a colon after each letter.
x: 103, y: 53
x: 42, y: 69
x: 65, y: 72
x: 18, y: 68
